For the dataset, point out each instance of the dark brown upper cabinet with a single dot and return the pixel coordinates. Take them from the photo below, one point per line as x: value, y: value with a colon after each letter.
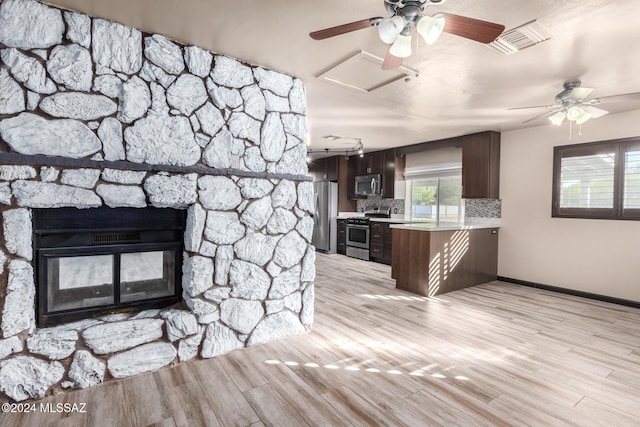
x: 324, y: 169
x: 377, y: 162
x: 481, y: 166
x: 357, y: 166
x: 392, y: 171
x: 336, y: 169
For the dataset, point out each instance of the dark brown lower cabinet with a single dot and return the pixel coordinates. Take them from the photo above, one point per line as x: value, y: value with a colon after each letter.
x: 430, y: 263
x: 376, y: 252
x: 381, y: 242
x: 342, y: 237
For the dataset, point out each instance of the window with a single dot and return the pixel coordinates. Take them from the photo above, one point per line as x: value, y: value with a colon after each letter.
x: 597, y: 180
x: 434, y: 193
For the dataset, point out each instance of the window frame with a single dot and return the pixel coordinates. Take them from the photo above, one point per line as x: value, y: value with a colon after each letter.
x: 617, y: 212
x: 630, y: 213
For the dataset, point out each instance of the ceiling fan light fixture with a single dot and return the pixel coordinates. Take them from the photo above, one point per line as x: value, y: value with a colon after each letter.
x: 389, y: 28
x: 558, y: 118
x: 401, y: 48
x: 583, y: 119
x: 430, y: 28
x: 577, y: 114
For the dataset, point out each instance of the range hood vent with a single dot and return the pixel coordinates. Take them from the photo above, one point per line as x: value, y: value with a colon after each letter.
x: 522, y: 37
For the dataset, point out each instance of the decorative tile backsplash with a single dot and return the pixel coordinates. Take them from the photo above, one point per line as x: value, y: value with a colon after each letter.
x: 483, y: 208
x: 396, y: 205
x: 473, y: 208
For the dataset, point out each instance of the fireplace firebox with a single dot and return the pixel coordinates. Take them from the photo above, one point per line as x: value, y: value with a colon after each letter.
x: 91, y: 262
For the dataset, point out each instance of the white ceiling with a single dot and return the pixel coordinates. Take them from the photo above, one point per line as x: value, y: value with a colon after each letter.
x: 463, y: 87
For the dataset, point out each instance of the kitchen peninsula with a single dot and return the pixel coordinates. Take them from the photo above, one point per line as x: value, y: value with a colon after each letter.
x: 433, y: 258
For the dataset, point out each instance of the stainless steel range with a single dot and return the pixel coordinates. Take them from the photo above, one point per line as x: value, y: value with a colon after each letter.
x: 358, y: 238
x: 358, y: 231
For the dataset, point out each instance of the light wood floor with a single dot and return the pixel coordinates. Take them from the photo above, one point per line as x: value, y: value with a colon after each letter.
x: 492, y: 355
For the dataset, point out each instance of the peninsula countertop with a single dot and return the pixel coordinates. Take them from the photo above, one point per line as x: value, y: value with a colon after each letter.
x: 447, y: 226
x: 394, y: 219
x: 399, y: 221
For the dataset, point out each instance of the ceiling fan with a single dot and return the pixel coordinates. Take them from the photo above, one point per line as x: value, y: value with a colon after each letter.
x: 407, y: 15
x: 572, y: 104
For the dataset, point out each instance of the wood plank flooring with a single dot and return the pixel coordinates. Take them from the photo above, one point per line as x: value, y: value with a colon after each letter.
x: 492, y: 355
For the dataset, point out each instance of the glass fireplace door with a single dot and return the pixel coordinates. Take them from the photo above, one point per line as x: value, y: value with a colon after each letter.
x: 91, y: 262
x: 147, y: 275
x: 81, y: 280
x: 75, y: 282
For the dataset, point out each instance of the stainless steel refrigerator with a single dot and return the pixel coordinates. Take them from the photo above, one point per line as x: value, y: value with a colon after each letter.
x: 325, y: 216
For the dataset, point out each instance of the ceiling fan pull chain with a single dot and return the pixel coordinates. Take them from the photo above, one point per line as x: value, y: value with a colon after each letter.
x: 412, y: 58
x: 570, y: 130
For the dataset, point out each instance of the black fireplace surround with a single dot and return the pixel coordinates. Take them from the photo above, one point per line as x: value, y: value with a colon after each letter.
x: 90, y: 262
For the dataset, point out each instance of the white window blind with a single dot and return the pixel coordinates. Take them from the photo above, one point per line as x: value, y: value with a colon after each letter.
x: 433, y: 170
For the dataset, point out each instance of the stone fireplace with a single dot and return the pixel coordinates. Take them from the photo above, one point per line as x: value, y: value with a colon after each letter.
x: 92, y: 261
x: 96, y: 119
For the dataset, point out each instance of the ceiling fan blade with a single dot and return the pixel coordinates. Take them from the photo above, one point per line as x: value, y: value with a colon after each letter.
x: 344, y: 28
x: 581, y: 92
x: 635, y: 96
x: 534, y: 106
x: 594, y: 112
x: 391, y: 61
x: 546, y: 113
x: 472, y: 29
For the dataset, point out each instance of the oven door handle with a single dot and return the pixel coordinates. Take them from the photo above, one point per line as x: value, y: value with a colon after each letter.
x: 359, y: 227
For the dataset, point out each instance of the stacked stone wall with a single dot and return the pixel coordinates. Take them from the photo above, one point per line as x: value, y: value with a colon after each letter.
x: 94, y: 113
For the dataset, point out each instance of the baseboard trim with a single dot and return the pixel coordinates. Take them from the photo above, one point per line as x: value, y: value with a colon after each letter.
x: 613, y: 300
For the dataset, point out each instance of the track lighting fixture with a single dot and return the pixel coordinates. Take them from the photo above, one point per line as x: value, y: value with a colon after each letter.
x: 357, y: 148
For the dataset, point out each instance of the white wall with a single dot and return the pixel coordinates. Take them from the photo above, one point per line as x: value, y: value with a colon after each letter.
x: 596, y: 256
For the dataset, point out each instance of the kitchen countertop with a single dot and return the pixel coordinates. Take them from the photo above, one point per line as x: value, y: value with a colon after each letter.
x: 391, y: 220
x: 347, y: 215
x: 398, y: 221
x: 395, y: 218
x: 447, y: 226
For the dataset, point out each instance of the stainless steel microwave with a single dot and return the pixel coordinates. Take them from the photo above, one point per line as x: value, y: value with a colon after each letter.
x: 367, y: 185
